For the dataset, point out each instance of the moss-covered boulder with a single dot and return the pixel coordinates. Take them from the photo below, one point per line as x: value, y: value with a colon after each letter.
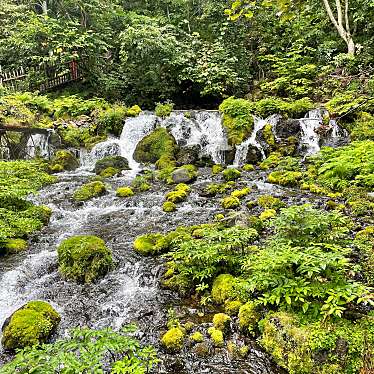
x: 231, y: 174
x: 216, y: 337
x: 116, y: 162
x: 169, y: 207
x: 173, y: 339
x: 109, y: 172
x: 89, y: 190
x: 222, y: 288
x: 15, y: 245
x: 184, y: 174
x: 248, y: 317
x: 230, y: 202
x: 84, y: 258
x: 63, y: 160
x: 159, y: 144
x: 124, y: 192
x: 147, y: 244
x: 30, y: 325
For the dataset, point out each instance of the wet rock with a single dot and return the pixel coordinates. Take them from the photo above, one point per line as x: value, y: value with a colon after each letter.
x: 182, y: 176
x: 116, y: 162
x: 287, y: 127
x: 188, y: 154
x: 229, y: 155
x: 253, y: 155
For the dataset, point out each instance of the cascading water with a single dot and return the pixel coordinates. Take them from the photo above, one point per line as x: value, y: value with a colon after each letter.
x: 38, y: 145
x: 204, y: 128
x: 309, y: 125
x: 242, y: 149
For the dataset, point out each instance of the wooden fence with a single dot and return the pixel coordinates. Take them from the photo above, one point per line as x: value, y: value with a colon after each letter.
x: 42, y: 78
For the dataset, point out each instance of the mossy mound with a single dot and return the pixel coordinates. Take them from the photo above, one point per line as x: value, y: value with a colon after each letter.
x: 173, y: 339
x: 230, y: 202
x: 267, y: 214
x: 216, y: 336
x: 109, y: 172
x: 231, y: 174
x: 216, y: 169
x: 159, y: 145
x: 241, y: 193
x: 222, y: 288
x: 31, y: 325
x: 89, y: 190
x: 147, y: 244
x: 15, y: 245
x: 84, y: 258
x: 116, y: 162
x: 221, y: 321
x: 63, y: 160
x: 248, y: 317
x: 169, y: 207
x: 285, y: 178
x: 124, y: 192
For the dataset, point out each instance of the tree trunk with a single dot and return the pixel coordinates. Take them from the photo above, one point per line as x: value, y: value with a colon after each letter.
x: 351, y: 45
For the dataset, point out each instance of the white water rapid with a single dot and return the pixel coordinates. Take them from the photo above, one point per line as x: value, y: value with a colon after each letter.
x: 38, y: 145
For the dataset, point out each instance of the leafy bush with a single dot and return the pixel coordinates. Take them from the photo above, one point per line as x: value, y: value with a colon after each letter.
x: 85, y: 350
x: 304, y: 264
x: 164, y: 110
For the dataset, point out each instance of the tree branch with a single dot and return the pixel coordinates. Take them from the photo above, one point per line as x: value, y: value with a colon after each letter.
x: 347, y: 27
x: 340, y: 28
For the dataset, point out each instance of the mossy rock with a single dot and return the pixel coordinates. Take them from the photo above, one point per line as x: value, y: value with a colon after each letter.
x: 216, y: 336
x: 216, y: 169
x: 231, y: 174
x: 109, y: 172
x: 147, y: 244
x: 84, y: 258
x: 184, y: 174
x: 154, y: 146
x: 63, y: 160
x: 248, y: 317
x: 197, y: 337
x: 30, y: 325
x: 285, y: 178
x: 221, y: 321
x: 169, y: 207
x: 267, y: 214
x: 241, y: 193
x: 116, y: 162
x: 15, y: 245
x: 89, y: 191
x: 230, y: 202
x: 173, y: 339
x: 124, y: 192
x: 222, y: 288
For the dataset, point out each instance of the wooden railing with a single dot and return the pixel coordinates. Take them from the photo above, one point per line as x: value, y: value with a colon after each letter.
x: 44, y: 77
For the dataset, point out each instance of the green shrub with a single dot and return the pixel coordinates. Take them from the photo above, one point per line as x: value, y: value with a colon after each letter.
x: 31, y: 325
x: 270, y: 202
x: 164, y: 110
x: 237, y: 119
x: 104, y: 349
x: 111, y: 120
x: 84, y: 258
x: 267, y: 214
x: 15, y: 245
x: 89, y: 191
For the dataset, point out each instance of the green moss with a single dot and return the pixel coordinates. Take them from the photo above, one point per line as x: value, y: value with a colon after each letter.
x: 237, y: 119
x: 124, y: 192
x: 232, y: 307
x: 89, y: 190
x: 222, y: 288
x: 248, y: 317
x: 218, y: 188
x: 184, y: 174
x: 31, y: 325
x: 270, y: 202
x: 268, y: 135
x: 221, y: 321
x: 15, y: 245
x: 231, y: 174
x: 147, y: 244
x: 296, y: 345
x: 164, y: 110
x: 285, y: 178
x: 361, y: 207
x: 56, y: 168
x: 64, y: 159
x: 109, y: 172
x: 158, y: 148
x: 271, y: 161
x: 197, y: 337
x: 115, y: 162
x: 216, y: 169
x: 230, y: 202
x: 267, y: 214
x: 241, y: 193
x: 169, y: 207
x: 248, y: 167
x: 176, y: 196
x: 133, y: 111
x: 173, y: 339
x: 216, y: 336
x: 84, y: 258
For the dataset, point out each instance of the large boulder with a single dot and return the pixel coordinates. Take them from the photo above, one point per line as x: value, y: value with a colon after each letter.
x: 184, y: 174
x: 117, y: 162
x: 64, y: 160
x: 30, y: 325
x: 254, y: 155
x: 159, y: 144
x: 84, y: 258
x: 188, y: 154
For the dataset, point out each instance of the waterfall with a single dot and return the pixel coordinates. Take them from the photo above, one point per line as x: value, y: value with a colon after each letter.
x: 242, y: 149
x: 203, y: 128
x: 310, y: 138
x: 134, y: 130
x: 38, y: 145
